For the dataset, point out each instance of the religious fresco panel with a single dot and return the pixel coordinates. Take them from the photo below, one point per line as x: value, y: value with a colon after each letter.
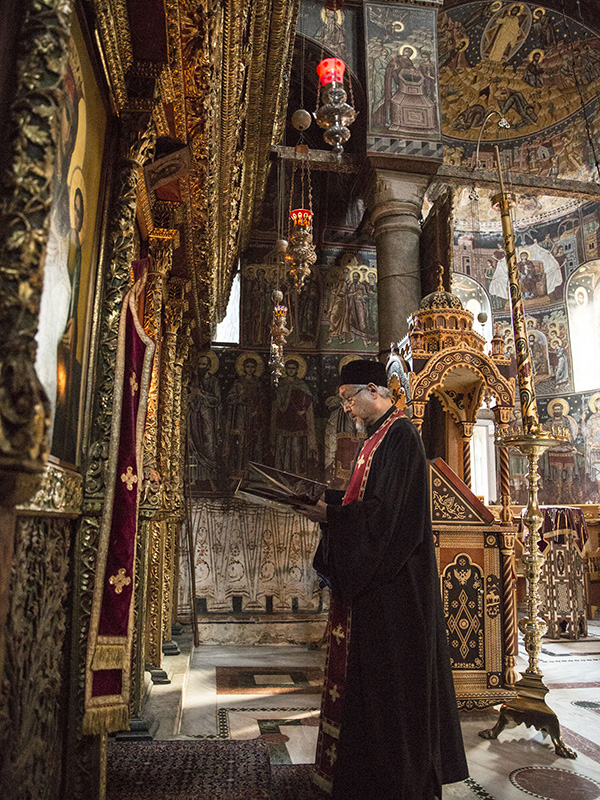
x: 562, y: 306
x: 238, y: 415
x: 334, y: 30
x: 335, y: 311
x: 535, y: 67
x: 402, y: 70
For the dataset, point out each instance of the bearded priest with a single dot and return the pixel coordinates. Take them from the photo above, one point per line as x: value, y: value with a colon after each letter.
x: 389, y: 727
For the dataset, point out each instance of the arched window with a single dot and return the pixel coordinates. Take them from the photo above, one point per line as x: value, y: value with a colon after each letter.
x: 475, y: 299
x: 583, y: 310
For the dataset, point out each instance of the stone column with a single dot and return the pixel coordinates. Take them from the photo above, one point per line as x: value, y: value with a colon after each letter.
x: 394, y: 200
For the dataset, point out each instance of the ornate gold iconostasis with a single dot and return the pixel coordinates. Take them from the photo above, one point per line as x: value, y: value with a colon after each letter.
x: 138, y: 152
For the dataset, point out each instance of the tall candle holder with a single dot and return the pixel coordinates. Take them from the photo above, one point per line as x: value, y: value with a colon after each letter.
x: 529, y: 706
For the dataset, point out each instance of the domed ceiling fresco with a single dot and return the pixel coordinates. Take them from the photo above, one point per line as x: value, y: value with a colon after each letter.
x: 539, y: 70
x: 532, y: 65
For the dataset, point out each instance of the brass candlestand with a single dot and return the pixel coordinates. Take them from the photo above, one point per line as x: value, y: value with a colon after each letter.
x: 529, y: 707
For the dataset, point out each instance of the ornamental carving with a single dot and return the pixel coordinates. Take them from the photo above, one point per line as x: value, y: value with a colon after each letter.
x: 230, y: 66
x: 26, y: 191
x: 61, y: 492
x: 35, y: 660
x: 116, y: 285
x: 438, y: 367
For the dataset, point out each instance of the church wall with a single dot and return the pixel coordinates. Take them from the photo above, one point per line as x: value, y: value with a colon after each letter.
x: 558, y: 269
x: 238, y: 415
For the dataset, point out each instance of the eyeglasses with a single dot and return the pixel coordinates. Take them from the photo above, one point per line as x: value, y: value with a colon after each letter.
x: 348, y: 401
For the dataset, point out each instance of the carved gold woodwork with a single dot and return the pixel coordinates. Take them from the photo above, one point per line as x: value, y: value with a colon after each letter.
x: 26, y: 194
x: 117, y: 52
x: 474, y: 558
x: 177, y: 510
x: 35, y: 663
x: 116, y: 283
x: 85, y: 766
x: 445, y: 357
x: 61, y: 492
x: 160, y: 577
x: 229, y: 64
x: 154, y: 625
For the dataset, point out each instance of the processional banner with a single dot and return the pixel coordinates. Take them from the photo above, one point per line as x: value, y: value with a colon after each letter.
x: 108, y: 662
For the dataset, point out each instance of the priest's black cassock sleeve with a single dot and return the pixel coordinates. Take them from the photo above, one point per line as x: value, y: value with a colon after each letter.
x: 400, y: 735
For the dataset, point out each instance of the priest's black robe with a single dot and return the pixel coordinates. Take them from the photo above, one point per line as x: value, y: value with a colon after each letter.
x: 400, y: 736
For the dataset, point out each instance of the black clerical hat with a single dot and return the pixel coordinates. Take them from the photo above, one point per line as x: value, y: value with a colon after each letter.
x: 360, y: 371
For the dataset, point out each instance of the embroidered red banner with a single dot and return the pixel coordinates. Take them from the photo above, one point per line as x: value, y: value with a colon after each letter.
x: 108, y: 660
x: 339, y: 629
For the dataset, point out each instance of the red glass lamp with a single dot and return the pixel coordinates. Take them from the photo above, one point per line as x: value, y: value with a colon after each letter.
x: 331, y: 70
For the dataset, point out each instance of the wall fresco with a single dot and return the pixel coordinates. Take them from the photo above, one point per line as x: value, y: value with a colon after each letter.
x: 534, y: 66
x: 237, y: 415
x: 560, y: 276
x: 402, y: 71
x: 336, y: 310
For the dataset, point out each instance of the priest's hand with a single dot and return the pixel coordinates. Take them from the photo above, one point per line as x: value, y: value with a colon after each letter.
x: 316, y: 513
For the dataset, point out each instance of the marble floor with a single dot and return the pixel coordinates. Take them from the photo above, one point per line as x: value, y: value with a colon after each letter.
x: 242, y: 692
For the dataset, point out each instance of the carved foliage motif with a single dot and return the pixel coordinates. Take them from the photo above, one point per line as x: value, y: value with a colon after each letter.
x: 432, y: 376
x: 31, y: 752
x: 61, y: 491
x: 27, y: 187
x: 230, y: 54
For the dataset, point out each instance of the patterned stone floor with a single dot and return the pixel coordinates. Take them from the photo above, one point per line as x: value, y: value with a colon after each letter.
x: 243, y: 692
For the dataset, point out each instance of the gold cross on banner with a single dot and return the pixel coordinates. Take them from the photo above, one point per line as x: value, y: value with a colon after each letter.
x: 335, y: 695
x: 360, y: 461
x: 129, y: 478
x: 332, y: 754
x: 339, y: 634
x: 119, y: 580
x: 133, y: 383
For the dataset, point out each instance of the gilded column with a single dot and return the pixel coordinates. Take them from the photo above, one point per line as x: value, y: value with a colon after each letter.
x: 160, y: 262
x: 171, y: 428
x: 160, y: 568
x: 394, y: 200
x: 177, y: 461
x: 86, y: 764
x: 467, y: 433
x: 509, y: 602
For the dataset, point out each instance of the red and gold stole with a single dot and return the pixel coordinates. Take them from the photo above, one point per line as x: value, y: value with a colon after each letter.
x: 339, y: 627
x: 108, y: 660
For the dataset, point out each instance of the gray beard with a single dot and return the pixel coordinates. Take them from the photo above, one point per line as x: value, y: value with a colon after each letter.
x: 360, y: 427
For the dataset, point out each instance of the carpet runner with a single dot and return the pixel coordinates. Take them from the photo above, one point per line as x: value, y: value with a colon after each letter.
x: 204, y: 770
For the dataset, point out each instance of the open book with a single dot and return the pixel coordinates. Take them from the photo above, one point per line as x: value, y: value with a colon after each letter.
x: 267, y: 483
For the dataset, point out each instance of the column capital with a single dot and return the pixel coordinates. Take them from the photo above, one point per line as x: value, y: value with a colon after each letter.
x: 397, y: 194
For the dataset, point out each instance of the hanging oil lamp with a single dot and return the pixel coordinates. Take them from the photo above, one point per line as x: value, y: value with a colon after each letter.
x: 335, y: 114
x: 301, y: 253
x: 278, y: 327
